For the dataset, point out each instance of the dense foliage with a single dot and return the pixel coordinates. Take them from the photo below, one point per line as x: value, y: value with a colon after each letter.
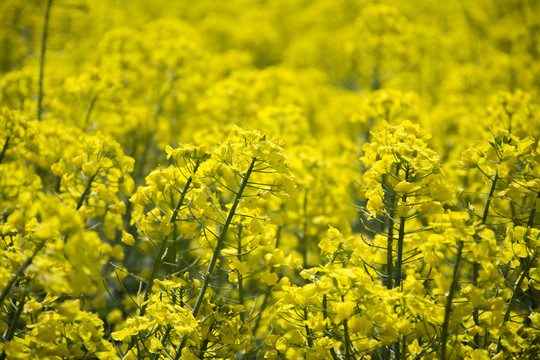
x: 283, y: 179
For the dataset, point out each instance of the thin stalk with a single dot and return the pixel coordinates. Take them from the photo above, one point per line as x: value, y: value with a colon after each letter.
x: 389, y: 255
x: 530, y: 223
x: 400, y: 241
x: 521, y: 278
x: 14, y: 319
x: 475, y: 274
x: 399, y: 250
x: 308, y: 330
x: 82, y: 198
x: 85, y: 192
x: 390, y: 237
x: 21, y: 270
x: 348, y: 355
x: 517, y: 286
x: 325, y: 315
x: 397, y: 350
x: 172, y: 253
x: 403, y: 349
x: 240, y: 283
x: 490, y: 196
x: 42, y: 56
x: 449, y: 300
x: 163, y: 340
x: 476, y: 265
x: 4, y: 149
x: 389, y: 244
x: 399, y: 264
x: 89, y: 111
x: 399, y: 255
x: 304, y: 239
x: 390, y: 249
x: 217, y: 252
x: 204, y: 344
x: 262, y: 307
x: 267, y: 292
x: 163, y: 243
x: 278, y: 237
x: 13, y: 323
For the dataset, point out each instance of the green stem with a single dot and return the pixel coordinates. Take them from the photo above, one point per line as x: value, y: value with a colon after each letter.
x: 85, y: 192
x: 172, y: 252
x: 390, y: 238
x: 163, y: 243
x: 163, y: 340
x: 4, y: 149
x: 42, y: 57
x: 13, y: 323
x: 399, y: 263
x: 399, y: 255
x: 403, y: 349
x: 530, y: 223
x: 204, y: 344
x: 268, y: 290
x: 89, y: 111
x: 476, y: 265
x: 309, y: 334
x: 240, y: 283
x: 261, y: 309
x: 82, y: 198
x: 217, y: 252
x: 389, y: 244
x: 397, y: 350
x: 348, y: 355
x: 521, y: 278
x: 21, y: 270
x: 517, y: 286
x: 400, y: 241
x: 389, y: 250
x: 14, y: 319
x: 325, y: 315
x: 490, y: 196
x: 304, y: 245
x: 449, y: 300
x: 475, y: 274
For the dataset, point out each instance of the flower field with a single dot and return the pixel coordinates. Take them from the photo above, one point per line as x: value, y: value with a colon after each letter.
x: 286, y: 179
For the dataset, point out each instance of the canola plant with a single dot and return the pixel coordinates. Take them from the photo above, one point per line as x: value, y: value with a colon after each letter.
x: 252, y: 179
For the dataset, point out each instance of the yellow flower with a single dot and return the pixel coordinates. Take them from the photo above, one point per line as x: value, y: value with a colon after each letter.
x: 127, y: 238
